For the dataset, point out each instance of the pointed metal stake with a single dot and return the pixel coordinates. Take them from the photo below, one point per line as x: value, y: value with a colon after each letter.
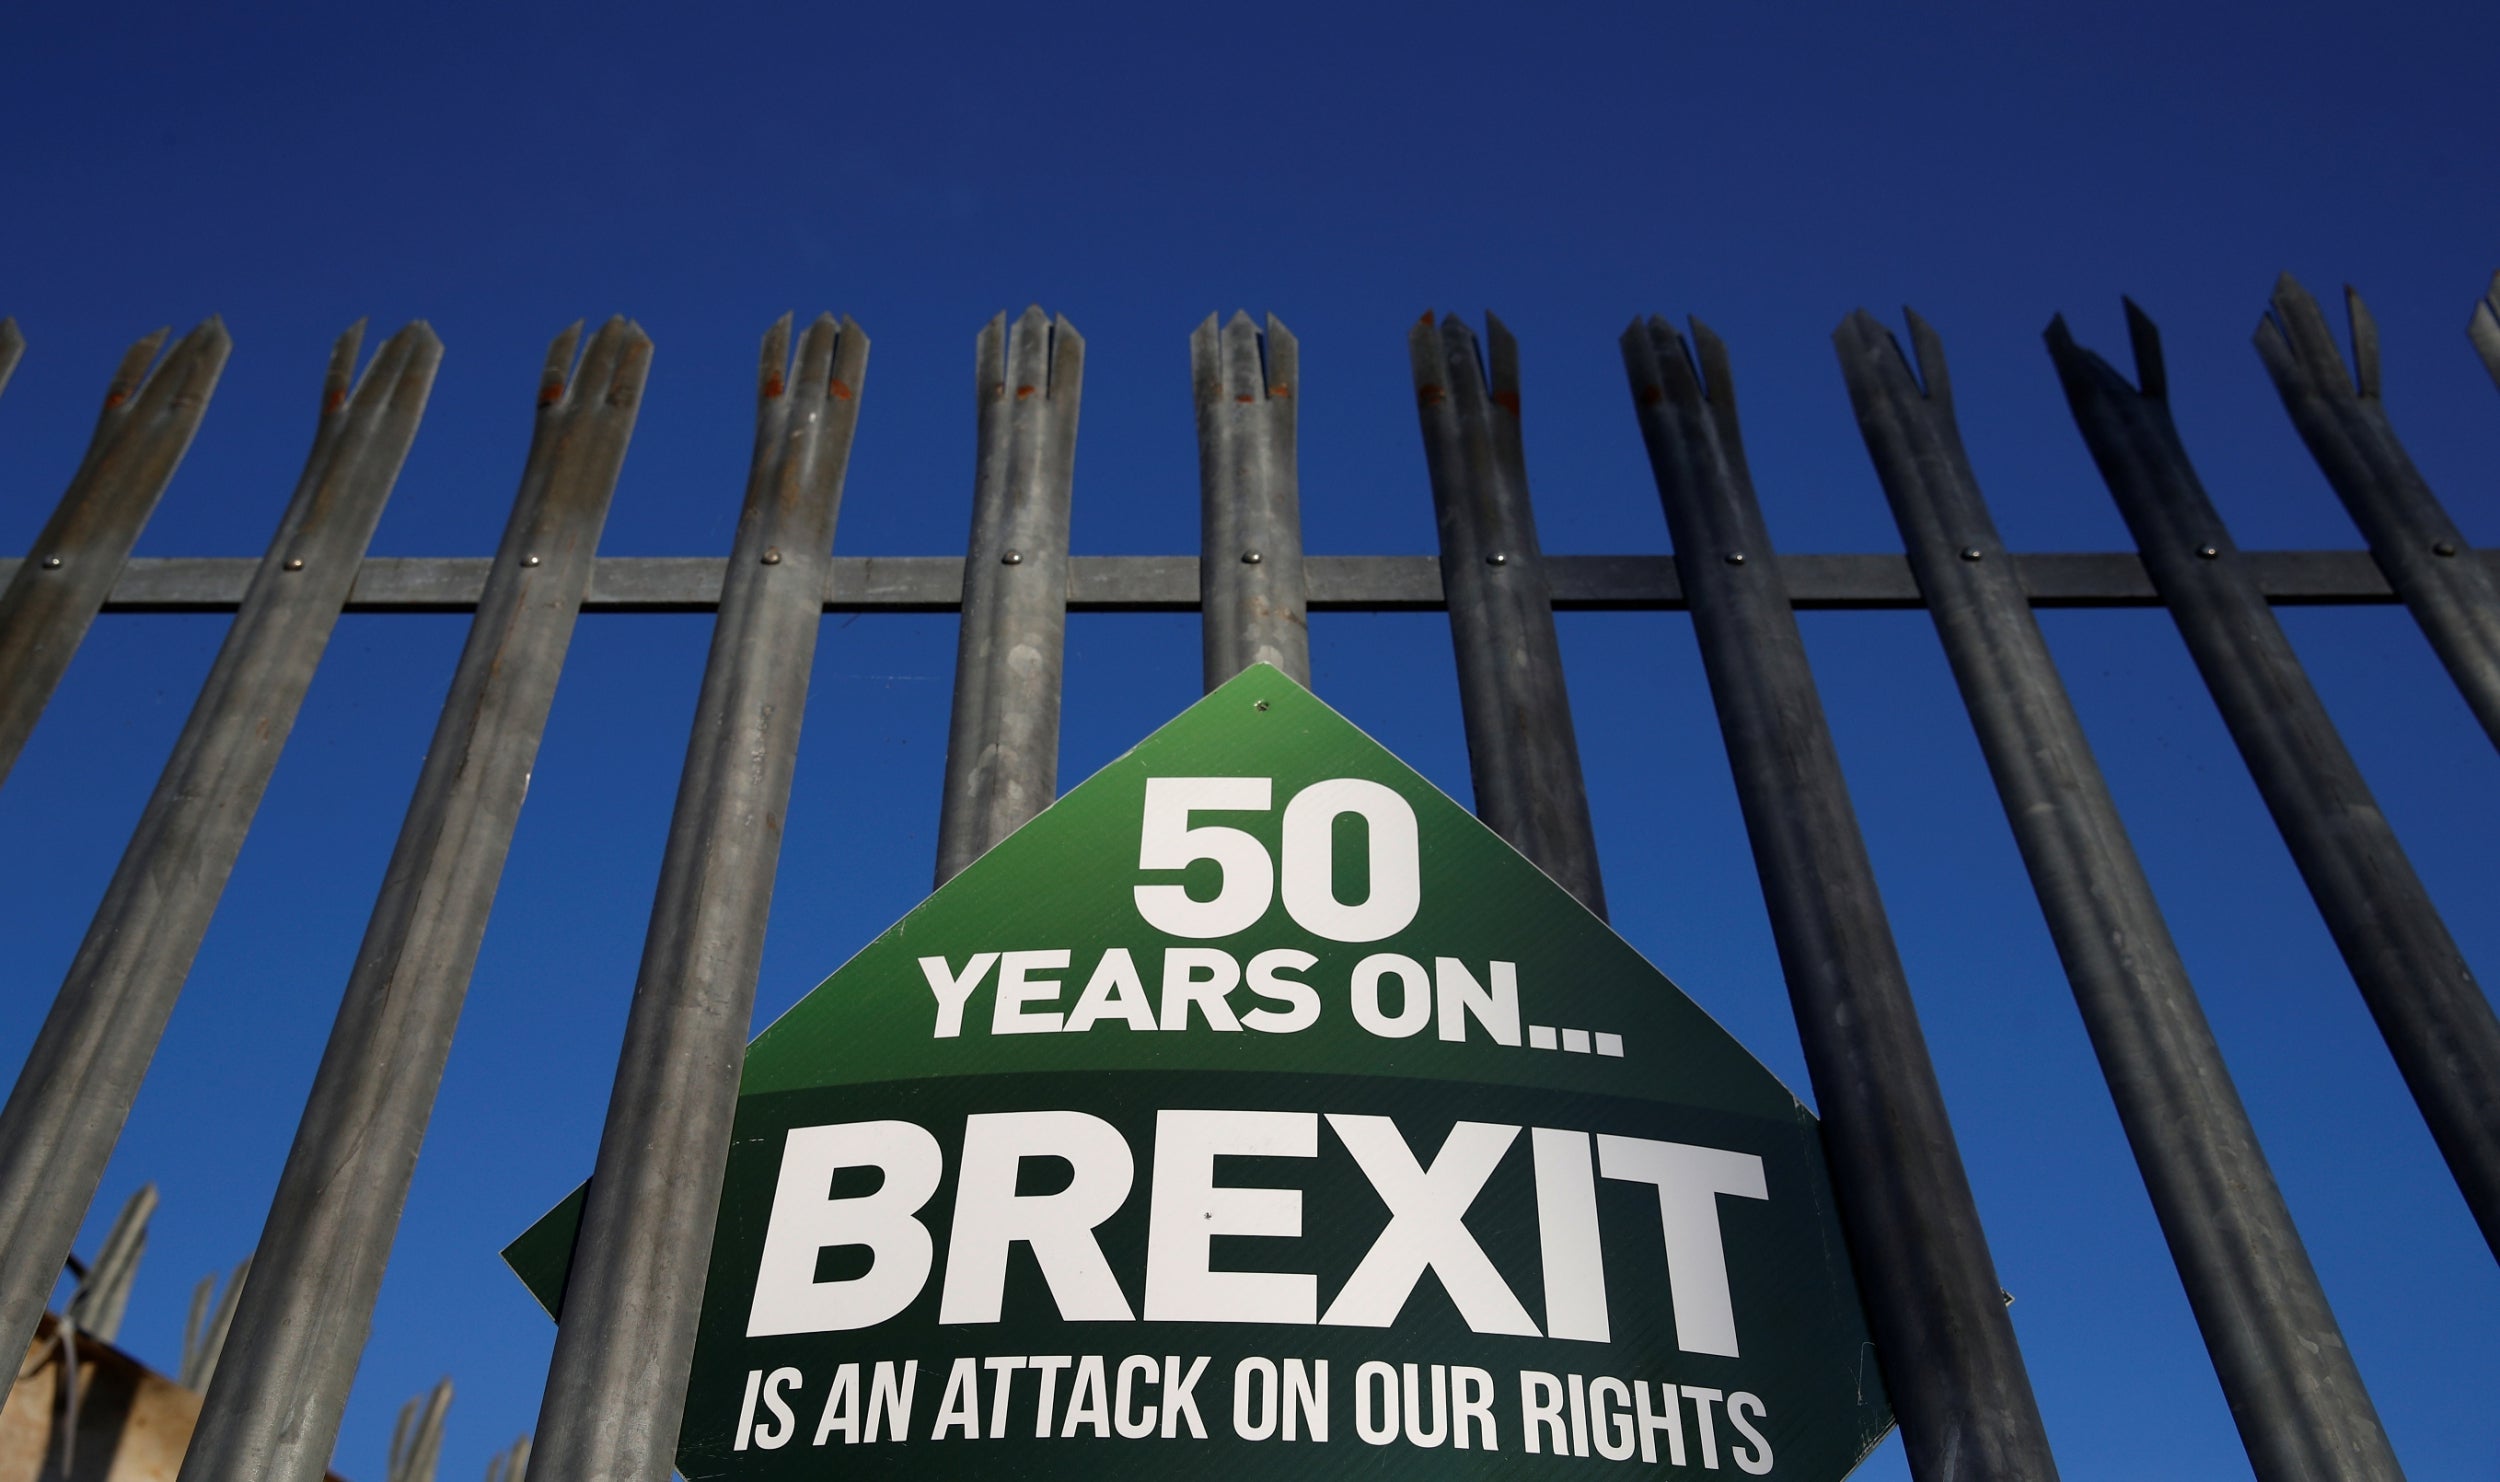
x: 2434, y: 1016
x: 627, y: 1327
x: 1002, y: 745
x: 1522, y: 754
x: 2290, y: 1381
x: 1937, y: 1313
x: 273, y: 1413
x: 1253, y: 604
x: 67, y: 1109
x: 140, y: 437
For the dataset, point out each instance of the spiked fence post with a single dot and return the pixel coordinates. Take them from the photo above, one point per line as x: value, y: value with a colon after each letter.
x: 300, y: 1327
x: 2483, y: 328
x: 1253, y: 601
x: 2434, y: 1016
x: 204, y: 1331
x: 1002, y: 743
x: 627, y: 1326
x: 2451, y: 592
x: 140, y: 437
x: 417, y: 1437
x: 2292, y: 1386
x: 512, y: 1464
x: 1522, y: 754
x: 1937, y: 1313
x: 70, y: 1101
x: 103, y: 1294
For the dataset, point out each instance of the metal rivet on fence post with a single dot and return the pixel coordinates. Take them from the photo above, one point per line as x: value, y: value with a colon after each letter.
x: 1251, y: 558
x: 2443, y: 547
x: 294, y: 563
x: 1497, y: 559
x: 2207, y: 552
x: 1012, y: 558
x: 1736, y: 558
x: 1971, y: 553
x: 530, y: 560
x: 773, y: 557
x: 51, y: 563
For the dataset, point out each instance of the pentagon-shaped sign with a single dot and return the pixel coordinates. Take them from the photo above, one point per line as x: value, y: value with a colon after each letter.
x: 1256, y: 1111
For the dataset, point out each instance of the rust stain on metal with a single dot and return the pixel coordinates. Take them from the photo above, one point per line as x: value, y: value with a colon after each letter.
x: 115, y: 397
x: 1650, y: 396
x: 1508, y: 401
x: 840, y: 388
x: 1279, y: 393
x: 551, y: 393
x: 336, y: 398
x: 1429, y: 395
x: 1426, y: 321
x: 772, y: 388
x: 1245, y: 398
x: 1024, y: 391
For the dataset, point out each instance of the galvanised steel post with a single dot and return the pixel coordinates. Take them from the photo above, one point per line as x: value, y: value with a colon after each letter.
x: 1002, y: 745
x: 2302, y: 1411
x: 1253, y: 603
x: 66, y: 1112
x: 2434, y: 1016
x: 1937, y: 1313
x: 272, y: 1413
x: 140, y: 437
x: 626, y: 1340
x: 2451, y: 593
x: 1522, y: 755
x: 2483, y: 328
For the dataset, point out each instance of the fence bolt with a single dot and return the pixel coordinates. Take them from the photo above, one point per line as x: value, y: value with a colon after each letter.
x: 294, y: 563
x: 772, y: 557
x: 1251, y: 558
x: 1736, y: 558
x: 51, y: 563
x: 2208, y: 552
x: 1971, y: 553
x: 1497, y: 559
x: 529, y: 560
x: 1012, y: 558
x: 2443, y: 547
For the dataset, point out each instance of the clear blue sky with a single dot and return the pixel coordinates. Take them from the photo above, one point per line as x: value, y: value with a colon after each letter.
x: 1345, y: 167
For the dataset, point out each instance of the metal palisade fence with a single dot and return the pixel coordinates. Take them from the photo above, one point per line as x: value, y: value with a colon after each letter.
x: 628, y: 1324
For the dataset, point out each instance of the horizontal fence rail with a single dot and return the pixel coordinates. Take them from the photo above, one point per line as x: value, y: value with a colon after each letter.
x: 1836, y: 583
x: 1955, y: 1373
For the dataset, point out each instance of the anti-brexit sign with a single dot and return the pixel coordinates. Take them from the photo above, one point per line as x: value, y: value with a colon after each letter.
x: 1254, y: 1112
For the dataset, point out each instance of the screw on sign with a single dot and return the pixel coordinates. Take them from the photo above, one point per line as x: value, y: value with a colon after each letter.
x: 1256, y: 1109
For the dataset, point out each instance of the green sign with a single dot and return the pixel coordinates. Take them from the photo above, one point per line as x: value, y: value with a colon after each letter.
x: 1256, y: 1111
